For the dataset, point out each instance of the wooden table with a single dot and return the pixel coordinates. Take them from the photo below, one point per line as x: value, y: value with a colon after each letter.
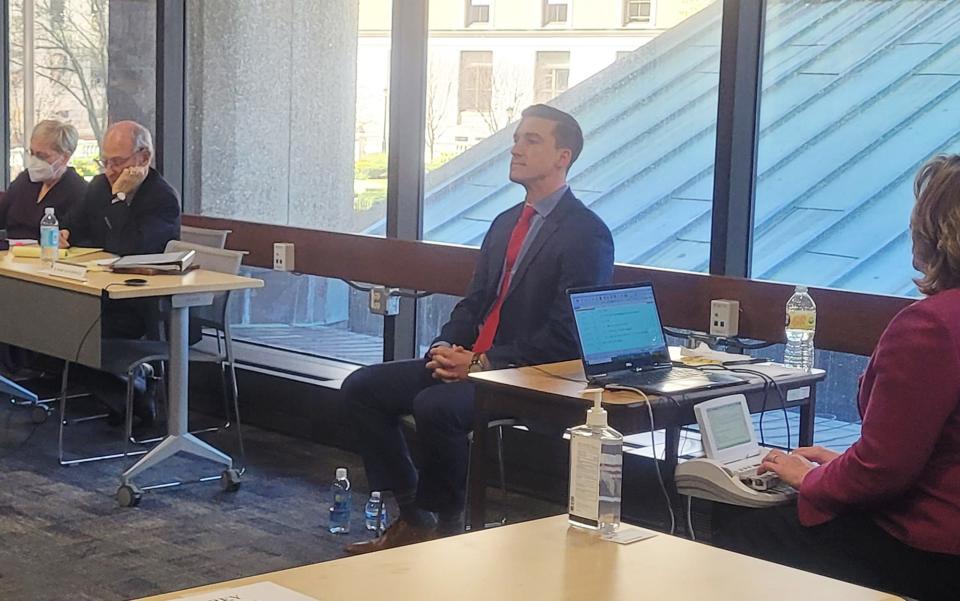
x: 59, y: 317
x: 545, y: 559
x: 552, y: 395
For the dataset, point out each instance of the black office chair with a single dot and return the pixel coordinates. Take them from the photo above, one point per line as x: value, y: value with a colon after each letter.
x: 124, y: 359
x: 214, y: 319
x: 499, y: 425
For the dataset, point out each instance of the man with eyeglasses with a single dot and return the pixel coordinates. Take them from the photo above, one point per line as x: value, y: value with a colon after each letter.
x: 129, y: 209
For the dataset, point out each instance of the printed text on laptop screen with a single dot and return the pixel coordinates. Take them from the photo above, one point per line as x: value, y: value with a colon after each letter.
x: 617, y: 324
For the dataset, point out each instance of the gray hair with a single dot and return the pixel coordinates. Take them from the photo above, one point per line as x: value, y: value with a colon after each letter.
x: 142, y: 139
x: 62, y: 136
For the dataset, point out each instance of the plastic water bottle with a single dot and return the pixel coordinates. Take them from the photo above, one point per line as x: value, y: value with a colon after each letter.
x: 49, y: 237
x: 800, y: 328
x: 596, y: 472
x: 342, y: 503
x: 374, y: 507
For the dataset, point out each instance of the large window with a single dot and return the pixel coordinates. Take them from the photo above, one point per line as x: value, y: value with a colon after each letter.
x: 856, y: 95
x: 649, y: 122
x: 286, y: 121
x: 88, y: 63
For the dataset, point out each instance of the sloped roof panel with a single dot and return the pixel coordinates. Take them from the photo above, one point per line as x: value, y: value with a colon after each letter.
x: 856, y: 95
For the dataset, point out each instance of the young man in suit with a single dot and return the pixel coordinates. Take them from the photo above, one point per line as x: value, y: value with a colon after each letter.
x: 515, y: 313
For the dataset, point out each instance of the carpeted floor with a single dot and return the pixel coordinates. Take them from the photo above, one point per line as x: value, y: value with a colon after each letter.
x: 64, y: 537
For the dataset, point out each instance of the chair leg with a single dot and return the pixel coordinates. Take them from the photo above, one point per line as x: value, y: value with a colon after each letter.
x: 236, y: 416
x: 65, y: 377
x: 225, y: 393
x: 128, y: 418
x: 64, y: 397
x: 503, y: 473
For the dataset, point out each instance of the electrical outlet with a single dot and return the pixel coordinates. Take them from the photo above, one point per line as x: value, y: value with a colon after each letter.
x: 283, y: 256
x: 384, y: 301
x: 724, y: 317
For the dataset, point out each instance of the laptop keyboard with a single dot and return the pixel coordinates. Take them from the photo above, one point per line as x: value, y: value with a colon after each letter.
x: 658, y: 376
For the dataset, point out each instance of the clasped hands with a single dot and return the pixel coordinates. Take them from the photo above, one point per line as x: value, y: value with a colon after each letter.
x: 449, y: 363
x: 794, y: 466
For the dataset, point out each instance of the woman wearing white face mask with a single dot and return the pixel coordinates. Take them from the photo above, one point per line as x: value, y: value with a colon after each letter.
x: 47, y: 181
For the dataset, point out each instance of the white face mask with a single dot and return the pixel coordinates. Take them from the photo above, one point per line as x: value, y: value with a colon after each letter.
x: 40, y: 170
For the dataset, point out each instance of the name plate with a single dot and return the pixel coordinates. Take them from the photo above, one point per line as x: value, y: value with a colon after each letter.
x: 797, y: 394
x: 69, y: 271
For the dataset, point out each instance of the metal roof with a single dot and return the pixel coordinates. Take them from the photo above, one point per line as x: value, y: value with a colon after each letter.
x: 857, y: 94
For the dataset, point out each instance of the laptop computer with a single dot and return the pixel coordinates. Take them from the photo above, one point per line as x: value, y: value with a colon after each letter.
x: 622, y: 343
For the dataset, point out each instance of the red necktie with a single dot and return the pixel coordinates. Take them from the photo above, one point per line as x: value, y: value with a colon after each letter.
x: 489, y: 328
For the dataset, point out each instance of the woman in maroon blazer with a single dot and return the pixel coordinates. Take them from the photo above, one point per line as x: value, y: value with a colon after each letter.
x: 47, y: 182
x: 886, y: 513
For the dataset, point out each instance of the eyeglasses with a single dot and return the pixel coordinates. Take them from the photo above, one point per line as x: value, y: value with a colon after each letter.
x: 42, y: 156
x: 115, y: 161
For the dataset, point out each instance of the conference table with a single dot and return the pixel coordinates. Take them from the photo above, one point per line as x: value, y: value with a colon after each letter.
x: 553, y: 397
x: 544, y: 559
x: 59, y: 317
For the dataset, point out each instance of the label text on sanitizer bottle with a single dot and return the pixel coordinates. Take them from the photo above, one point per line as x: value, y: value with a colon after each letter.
x: 585, y: 479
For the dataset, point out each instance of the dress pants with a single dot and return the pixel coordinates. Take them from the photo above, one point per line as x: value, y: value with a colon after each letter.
x: 127, y: 319
x: 377, y: 397
x: 850, y: 547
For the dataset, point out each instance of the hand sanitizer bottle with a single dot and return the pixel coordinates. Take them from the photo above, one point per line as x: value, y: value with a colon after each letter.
x: 596, y: 471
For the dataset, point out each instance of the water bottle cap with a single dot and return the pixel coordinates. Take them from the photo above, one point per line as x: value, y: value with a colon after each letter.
x: 341, y: 473
x: 48, y: 211
x: 375, y: 495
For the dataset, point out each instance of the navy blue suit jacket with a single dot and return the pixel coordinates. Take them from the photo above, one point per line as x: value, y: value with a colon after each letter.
x: 151, y: 219
x: 573, y: 248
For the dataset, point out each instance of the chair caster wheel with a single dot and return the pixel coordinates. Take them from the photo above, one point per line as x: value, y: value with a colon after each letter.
x: 230, y: 480
x: 128, y: 495
x: 39, y: 414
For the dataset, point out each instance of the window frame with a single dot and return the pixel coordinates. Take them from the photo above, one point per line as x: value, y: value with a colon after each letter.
x: 544, y: 70
x: 629, y: 20
x: 741, y: 60
x: 481, y: 86
x: 477, y: 14
x: 547, y: 19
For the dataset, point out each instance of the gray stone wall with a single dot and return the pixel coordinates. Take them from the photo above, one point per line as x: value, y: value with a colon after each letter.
x: 271, y: 105
x: 132, y: 62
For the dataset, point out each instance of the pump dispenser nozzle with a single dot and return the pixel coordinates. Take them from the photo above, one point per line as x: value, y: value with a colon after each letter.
x: 596, y: 415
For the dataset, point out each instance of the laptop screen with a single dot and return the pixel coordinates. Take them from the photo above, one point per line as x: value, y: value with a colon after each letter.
x: 618, y: 328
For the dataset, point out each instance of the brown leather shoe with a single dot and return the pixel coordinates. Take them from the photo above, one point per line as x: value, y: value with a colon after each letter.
x: 397, y: 534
